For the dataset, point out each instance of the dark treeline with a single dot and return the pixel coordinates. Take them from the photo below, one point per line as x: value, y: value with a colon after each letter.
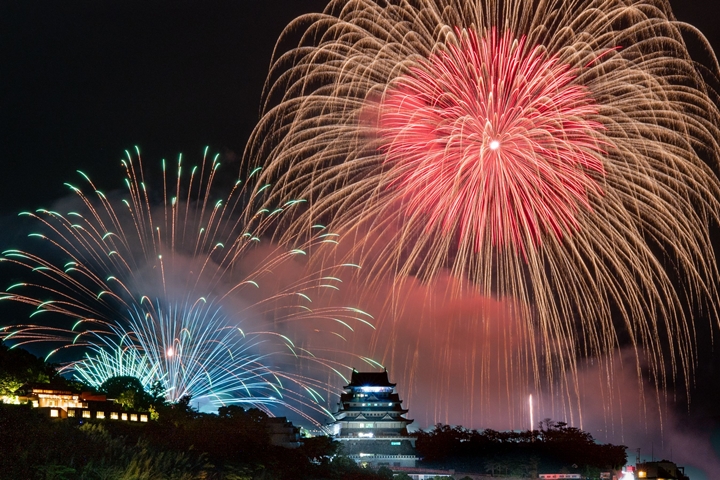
x: 18, y: 367
x: 553, y: 448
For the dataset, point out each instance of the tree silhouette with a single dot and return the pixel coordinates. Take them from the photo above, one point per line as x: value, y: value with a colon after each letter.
x: 127, y: 391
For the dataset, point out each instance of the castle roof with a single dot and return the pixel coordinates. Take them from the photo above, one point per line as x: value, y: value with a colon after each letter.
x: 369, y: 379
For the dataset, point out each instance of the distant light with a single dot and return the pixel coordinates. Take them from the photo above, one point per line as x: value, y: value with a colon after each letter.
x: 532, y: 421
x: 628, y: 476
x: 494, y: 145
x: 170, y: 352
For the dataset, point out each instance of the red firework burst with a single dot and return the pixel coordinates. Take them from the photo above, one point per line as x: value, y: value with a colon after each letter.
x: 493, y: 140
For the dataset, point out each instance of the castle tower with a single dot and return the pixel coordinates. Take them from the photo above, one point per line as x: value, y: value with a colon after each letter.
x: 370, y: 422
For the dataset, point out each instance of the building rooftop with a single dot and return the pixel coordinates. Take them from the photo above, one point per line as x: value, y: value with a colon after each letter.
x: 365, y: 379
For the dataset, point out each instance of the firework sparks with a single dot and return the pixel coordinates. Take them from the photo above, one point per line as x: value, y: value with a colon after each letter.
x: 562, y: 154
x: 487, y: 134
x: 178, y: 294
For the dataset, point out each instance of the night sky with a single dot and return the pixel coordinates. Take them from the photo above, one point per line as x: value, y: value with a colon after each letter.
x: 81, y: 81
x: 84, y: 80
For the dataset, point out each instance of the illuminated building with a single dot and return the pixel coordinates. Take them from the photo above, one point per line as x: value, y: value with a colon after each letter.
x: 59, y: 403
x: 44, y: 396
x: 370, y: 422
x: 663, y: 469
x: 559, y: 476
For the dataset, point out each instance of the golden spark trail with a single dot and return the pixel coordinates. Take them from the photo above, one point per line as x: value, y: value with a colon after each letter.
x: 559, y: 154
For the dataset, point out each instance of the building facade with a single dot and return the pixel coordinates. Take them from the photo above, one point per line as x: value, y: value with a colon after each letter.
x: 370, y: 422
x: 282, y: 433
x: 662, y: 470
x: 58, y: 403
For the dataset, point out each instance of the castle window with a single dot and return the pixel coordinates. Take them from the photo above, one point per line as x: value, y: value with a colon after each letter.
x: 143, y: 418
x: 71, y: 412
x: 114, y: 415
x: 123, y: 416
x: 133, y: 417
x: 54, y: 413
x: 86, y: 414
x: 100, y: 415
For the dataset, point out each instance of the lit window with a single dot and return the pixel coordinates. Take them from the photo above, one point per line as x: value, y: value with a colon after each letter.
x: 123, y: 416
x: 114, y: 415
x: 86, y: 413
x: 54, y: 413
x: 133, y: 417
x: 71, y: 413
x: 373, y: 389
x: 100, y: 415
x: 143, y: 418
